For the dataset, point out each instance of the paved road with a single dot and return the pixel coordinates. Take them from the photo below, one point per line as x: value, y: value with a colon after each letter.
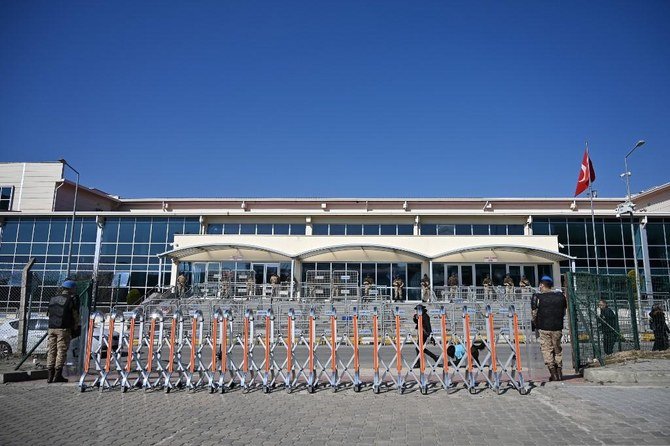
x: 36, y: 413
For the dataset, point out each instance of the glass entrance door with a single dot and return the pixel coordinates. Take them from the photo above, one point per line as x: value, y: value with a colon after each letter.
x: 264, y: 271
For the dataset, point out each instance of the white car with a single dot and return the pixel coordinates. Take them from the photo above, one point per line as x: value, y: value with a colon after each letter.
x: 37, y: 327
x: 9, y: 336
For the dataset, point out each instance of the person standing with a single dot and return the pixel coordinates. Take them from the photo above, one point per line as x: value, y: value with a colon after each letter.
x: 659, y: 327
x: 251, y: 285
x: 425, y: 288
x: 524, y: 284
x: 181, y: 284
x: 274, y: 281
x: 548, y: 311
x: 609, y: 326
x: 453, y: 286
x: 509, y: 286
x: 368, y: 283
x: 63, y: 315
x: 488, y: 284
x: 398, y: 285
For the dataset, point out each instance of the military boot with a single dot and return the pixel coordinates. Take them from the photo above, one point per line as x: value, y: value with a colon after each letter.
x: 50, y: 376
x: 552, y: 372
x: 559, y: 373
x: 58, y: 378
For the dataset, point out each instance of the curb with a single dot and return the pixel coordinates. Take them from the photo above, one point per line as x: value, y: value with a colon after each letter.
x: 14, y: 377
x: 657, y: 378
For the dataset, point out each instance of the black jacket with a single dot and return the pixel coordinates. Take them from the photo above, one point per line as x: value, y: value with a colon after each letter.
x: 550, y: 310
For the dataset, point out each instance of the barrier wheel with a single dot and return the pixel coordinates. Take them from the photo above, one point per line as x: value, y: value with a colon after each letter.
x: 310, y: 389
x: 424, y: 391
x: 375, y: 390
x: 523, y: 391
x: 223, y: 390
x: 167, y: 389
x: 288, y: 389
x: 357, y: 387
x: 124, y: 389
x: 472, y: 390
x: 211, y: 389
x: 266, y: 389
x: 82, y: 388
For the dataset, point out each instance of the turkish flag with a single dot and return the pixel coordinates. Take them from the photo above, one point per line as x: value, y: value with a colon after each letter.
x: 587, y: 174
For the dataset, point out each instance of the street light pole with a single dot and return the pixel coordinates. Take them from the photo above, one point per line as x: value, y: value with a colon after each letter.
x: 629, y: 207
x: 74, y: 214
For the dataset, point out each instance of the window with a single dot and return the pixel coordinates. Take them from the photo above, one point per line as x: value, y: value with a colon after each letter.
x: 370, y: 229
x: 281, y: 229
x: 428, y: 229
x: 480, y: 229
x: 298, y: 229
x: 354, y: 229
x: 337, y: 229
x: 6, y: 193
x: 215, y: 229
x: 320, y: 229
x: 263, y: 229
x: 388, y: 229
x: 446, y: 229
x: 405, y: 229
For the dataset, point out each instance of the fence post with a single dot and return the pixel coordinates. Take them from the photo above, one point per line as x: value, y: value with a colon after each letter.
x: 632, y: 304
x: 574, y: 332
x: 26, y: 285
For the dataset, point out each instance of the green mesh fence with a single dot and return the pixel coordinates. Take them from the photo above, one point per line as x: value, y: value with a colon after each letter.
x: 595, y: 332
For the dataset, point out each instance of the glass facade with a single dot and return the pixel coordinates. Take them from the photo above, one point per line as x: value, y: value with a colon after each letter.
x: 471, y: 229
x: 256, y: 228
x: 362, y: 229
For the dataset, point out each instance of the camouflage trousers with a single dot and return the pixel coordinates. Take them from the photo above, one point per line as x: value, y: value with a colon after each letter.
x: 58, y: 341
x: 550, y: 345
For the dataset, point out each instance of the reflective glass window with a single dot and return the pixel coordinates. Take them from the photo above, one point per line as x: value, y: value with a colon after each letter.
x: 428, y: 229
x: 655, y: 235
x: 216, y: 228
x: 9, y: 230
x: 480, y: 229
x: 158, y: 231
x: 370, y: 229
x: 540, y: 228
x: 577, y: 233
x: 41, y: 231
x: 126, y: 228
x: 89, y: 231
x: 320, y: 229
x: 191, y: 227
x: 231, y: 228
x: 613, y: 234
x: 336, y: 229
x: 110, y: 230
x: 281, y: 229
x: 388, y: 229
x: 247, y: 228
x: 297, y: 229
x: 515, y: 230
x: 263, y: 229
x: 446, y: 229
x: 498, y: 229
x: 405, y: 229
x: 142, y: 231
x: 354, y: 229
x: 463, y: 229
x: 26, y: 231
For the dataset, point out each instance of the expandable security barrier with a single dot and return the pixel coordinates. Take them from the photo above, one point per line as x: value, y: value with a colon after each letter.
x: 382, y: 347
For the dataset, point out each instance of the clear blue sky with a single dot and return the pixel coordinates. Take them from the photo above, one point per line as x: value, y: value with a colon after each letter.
x: 346, y: 98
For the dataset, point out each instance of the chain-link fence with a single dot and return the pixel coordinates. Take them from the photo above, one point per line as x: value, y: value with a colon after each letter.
x: 603, y: 317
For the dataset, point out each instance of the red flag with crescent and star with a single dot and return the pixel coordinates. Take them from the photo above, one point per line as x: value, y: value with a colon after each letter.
x: 587, y: 174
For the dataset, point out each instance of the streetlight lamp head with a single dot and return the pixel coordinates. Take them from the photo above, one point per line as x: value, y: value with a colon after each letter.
x: 640, y: 143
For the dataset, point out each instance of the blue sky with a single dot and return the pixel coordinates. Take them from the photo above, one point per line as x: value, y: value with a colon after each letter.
x: 346, y: 98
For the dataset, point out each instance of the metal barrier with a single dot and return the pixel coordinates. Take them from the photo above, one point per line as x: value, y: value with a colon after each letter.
x: 336, y: 347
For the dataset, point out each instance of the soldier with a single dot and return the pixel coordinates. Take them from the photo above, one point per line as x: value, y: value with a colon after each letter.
x: 63, y: 321
x: 487, y: 286
x: 547, y: 311
x: 398, y: 285
x: 509, y: 286
x: 425, y: 288
x: 368, y: 283
x: 251, y: 285
x: 453, y: 286
x: 181, y: 284
x: 274, y: 281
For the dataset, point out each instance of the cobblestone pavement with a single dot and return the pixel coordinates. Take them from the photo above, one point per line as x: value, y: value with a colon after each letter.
x: 34, y: 413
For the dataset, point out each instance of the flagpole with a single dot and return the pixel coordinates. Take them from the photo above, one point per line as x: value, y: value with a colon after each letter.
x: 593, y: 215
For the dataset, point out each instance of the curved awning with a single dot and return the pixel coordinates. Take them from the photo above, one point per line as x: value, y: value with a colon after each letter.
x: 225, y: 251
x: 553, y: 256
x: 363, y: 252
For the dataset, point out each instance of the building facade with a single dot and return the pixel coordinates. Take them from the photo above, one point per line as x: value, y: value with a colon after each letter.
x: 146, y: 243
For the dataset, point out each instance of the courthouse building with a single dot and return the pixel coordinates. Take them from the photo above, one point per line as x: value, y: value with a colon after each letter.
x: 145, y: 243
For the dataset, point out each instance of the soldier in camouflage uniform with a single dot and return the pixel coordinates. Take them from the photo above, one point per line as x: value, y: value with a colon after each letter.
x: 63, y: 321
x: 547, y: 312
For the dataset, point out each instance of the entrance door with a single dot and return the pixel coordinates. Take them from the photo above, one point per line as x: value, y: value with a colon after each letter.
x: 264, y: 271
x: 515, y: 273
